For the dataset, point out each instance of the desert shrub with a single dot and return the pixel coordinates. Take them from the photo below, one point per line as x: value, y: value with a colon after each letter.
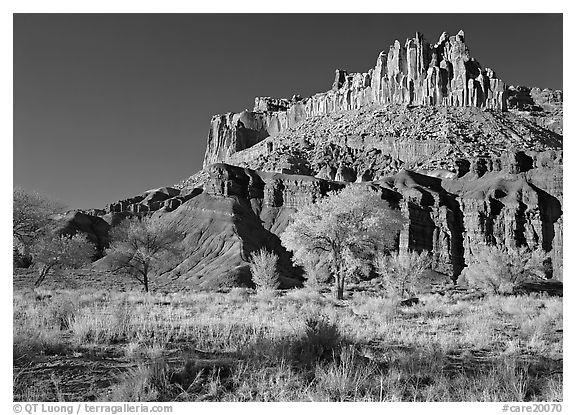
x: 145, y: 383
x: 238, y: 294
x: 370, y: 306
x: 347, y: 379
x: 63, y: 310
x: 89, y: 326
x: 501, y: 270
x: 305, y: 297
x: 263, y: 266
x: 402, y: 273
x: 321, y: 338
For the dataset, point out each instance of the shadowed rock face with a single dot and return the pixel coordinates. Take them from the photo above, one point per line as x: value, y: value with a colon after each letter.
x: 240, y: 211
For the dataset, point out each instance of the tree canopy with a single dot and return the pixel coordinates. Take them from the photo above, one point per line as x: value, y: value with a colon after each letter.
x: 32, y: 217
x: 141, y: 246
x: 346, y: 229
x: 52, y: 251
x: 31, y: 214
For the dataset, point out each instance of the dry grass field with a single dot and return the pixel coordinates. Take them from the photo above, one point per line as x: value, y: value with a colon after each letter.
x: 299, y: 345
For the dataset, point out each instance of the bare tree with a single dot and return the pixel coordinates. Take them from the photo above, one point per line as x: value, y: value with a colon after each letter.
x: 52, y: 252
x: 32, y: 215
x: 140, y: 247
x: 346, y: 229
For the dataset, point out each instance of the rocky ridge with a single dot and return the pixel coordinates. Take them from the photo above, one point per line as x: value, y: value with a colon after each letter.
x: 373, y: 142
x: 418, y: 73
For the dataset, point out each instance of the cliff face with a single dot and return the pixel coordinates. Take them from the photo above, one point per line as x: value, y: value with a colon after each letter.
x: 241, y: 210
x: 466, y: 159
x: 417, y: 73
x: 368, y: 144
x: 234, y: 132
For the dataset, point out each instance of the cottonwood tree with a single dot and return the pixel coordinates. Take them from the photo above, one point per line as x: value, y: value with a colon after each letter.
x: 345, y: 229
x: 316, y: 271
x: 32, y: 215
x: 402, y: 273
x: 140, y: 246
x: 55, y: 252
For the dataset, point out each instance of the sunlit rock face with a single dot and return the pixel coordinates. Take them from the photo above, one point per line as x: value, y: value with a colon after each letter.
x: 466, y: 159
x: 413, y: 73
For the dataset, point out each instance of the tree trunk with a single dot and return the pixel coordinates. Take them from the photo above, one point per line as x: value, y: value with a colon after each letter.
x: 340, y: 289
x: 43, y: 272
x: 145, y: 277
x: 339, y: 277
x: 339, y: 285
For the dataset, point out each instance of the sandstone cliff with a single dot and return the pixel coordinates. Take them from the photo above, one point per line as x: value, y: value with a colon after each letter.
x: 370, y: 143
x: 416, y: 73
x: 240, y: 210
x: 467, y: 160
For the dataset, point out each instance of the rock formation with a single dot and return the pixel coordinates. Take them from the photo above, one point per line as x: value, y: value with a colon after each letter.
x: 368, y: 144
x: 417, y: 73
x: 515, y: 202
x: 542, y: 106
x: 465, y: 158
x: 152, y: 200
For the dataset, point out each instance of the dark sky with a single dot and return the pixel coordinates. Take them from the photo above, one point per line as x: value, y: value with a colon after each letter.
x: 108, y: 106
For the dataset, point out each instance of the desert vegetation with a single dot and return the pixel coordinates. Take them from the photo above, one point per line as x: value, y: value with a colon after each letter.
x: 264, y: 270
x: 403, y: 273
x: 142, y: 246
x: 478, y: 341
x: 345, y: 230
x: 300, y: 345
x: 53, y: 251
x: 502, y: 270
x: 32, y: 215
x: 38, y: 244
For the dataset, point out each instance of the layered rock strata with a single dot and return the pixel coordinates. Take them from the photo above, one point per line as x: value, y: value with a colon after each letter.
x: 418, y: 73
x: 152, y: 200
x: 427, y: 128
x: 518, y: 203
x: 367, y: 144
